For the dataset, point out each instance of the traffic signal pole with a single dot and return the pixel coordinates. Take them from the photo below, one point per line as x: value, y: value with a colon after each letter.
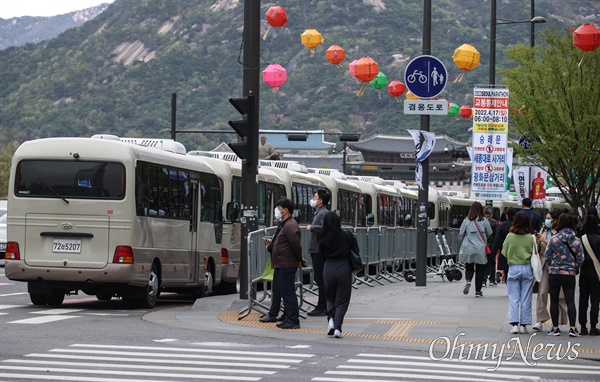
x: 251, y: 87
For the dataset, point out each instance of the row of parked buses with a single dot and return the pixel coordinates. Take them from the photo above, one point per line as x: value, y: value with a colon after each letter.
x: 112, y: 216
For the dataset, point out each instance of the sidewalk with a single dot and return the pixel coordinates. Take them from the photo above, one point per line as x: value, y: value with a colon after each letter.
x: 399, y: 315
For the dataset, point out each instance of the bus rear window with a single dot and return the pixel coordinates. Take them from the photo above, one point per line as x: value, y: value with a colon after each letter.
x: 70, y: 179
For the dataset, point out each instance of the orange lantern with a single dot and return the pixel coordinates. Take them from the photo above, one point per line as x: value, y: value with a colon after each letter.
x: 311, y: 38
x: 465, y: 111
x: 276, y: 17
x: 365, y: 70
x: 396, y: 89
x: 586, y: 38
x: 335, y: 55
x: 466, y: 57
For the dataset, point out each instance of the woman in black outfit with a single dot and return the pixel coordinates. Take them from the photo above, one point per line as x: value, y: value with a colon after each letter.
x: 335, y: 245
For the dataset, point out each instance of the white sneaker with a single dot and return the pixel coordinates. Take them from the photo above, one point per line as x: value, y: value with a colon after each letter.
x: 538, y: 327
x: 330, y: 329
x: 467, y: 287
x: 514, y: 329
x: 338, y: 334
x: 523, y: 330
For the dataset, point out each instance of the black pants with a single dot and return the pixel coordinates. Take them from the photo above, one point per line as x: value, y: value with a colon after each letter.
x: 491, y: 268
x: 589, y: 289
x: 567, y: 283
x: 286, y: 280
x: 318, y: 263
x: 479, y: 271
x: 275, y: 297
x: 338, y: 284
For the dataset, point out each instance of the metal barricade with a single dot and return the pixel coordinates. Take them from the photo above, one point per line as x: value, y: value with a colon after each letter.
x: 384, y: 252
x: 360, y: 233
x: 372, y: 255
x: 399, y: 250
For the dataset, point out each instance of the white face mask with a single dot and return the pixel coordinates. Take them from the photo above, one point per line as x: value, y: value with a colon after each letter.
x: 278, y: 215
x: 313, y: 203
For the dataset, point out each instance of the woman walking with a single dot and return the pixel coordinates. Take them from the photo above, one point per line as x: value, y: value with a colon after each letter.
x: 474, y: 229
x: 335, y: 245
x: 565, y: 255
x: 589, y: 282
x: 518, y: 248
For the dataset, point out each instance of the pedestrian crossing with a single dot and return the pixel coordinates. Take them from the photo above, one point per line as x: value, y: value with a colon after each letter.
x: 50, y: 315
x: 390, y: 367
x: 104, y: 363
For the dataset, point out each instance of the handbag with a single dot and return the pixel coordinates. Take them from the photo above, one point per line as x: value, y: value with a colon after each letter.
x: 588, y: 248
x: 536, y: 263
x: 487, y: 247
x: 355, y: 260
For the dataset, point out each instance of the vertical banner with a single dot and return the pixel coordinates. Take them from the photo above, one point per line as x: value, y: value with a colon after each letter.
x: 490, y: 143
x: 509, y: 168
x: 521, y: 179
x: 424, y: 142
x: 539, y: 179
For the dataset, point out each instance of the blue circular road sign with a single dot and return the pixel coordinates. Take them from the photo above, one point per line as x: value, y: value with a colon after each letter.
x: 425, y: 76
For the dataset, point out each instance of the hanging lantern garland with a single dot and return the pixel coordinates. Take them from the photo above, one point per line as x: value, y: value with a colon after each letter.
x: 276, y: 17
x: 586, y: 38
x: 466, y: 57
x: 365, y: 70
x: 396, y: 89
x: 311, y: 38
x: 335, y: 55
x: 274, y: 75
x: 379, y: 82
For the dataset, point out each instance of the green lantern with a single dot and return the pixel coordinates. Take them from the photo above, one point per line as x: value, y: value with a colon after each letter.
x: 453, y: 109
x: 380, y: 81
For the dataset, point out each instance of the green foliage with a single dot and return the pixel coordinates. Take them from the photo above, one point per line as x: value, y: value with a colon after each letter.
x: 557, y: 107
x: 7, y: 150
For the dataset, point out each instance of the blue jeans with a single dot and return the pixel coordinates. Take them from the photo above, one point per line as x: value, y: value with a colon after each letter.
x: 286, y: 282
x: 519, y: 284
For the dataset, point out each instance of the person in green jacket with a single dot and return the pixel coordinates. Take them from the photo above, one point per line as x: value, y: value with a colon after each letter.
x: 518, y: 248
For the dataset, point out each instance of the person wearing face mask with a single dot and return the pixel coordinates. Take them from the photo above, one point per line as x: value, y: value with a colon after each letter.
x: 319, y: 203
x: 542, y: 315
x: 286, y: 258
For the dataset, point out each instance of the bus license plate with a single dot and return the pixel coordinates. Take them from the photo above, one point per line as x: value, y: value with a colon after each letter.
x: 64, y: 245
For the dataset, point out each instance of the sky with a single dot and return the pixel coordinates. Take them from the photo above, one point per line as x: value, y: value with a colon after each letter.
x: 17, y: 8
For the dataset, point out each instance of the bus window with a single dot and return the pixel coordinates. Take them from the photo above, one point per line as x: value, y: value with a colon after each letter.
x: 301, y: 196
x: 210, y: 199
x: 365, y: 207
x: 347, y: 206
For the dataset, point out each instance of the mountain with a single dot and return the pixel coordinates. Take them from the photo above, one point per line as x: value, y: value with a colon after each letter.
x: 116, y: 73
x: 19, y: 31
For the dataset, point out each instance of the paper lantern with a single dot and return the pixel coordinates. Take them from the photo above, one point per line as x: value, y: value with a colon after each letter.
x: 466, y: 57
x: 311, y: 38
x: 465, y: 111
x: 396, y: 89
x: 365, y: 70
x: 379, y: 82
x: 586, y: 38
x: 453, y: 109
x: 276, y: 17
x: 274, y: 75
x: 411, y: 96
x: 351, y: 67
x: 335, y: 55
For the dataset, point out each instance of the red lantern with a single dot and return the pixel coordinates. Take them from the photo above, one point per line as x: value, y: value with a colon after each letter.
x: 274, y: 75
x: 276, y: 17
x: 586, y: 38
x: 365, y: 70
x: 465, y: 111
x: 335, y: 55
x: 396, y: 89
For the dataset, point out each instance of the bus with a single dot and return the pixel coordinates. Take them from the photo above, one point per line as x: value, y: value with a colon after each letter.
x: 110, y: 218
x: 344, y: 195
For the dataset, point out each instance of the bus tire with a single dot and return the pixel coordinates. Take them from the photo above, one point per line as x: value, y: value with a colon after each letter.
x: 150, y: 291
x: 207, y: 288
x: 56, y: 298
x: 38, y: 298
x: 104, y: 296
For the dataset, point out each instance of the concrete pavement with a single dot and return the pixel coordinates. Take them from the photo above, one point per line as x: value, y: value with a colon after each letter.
x: 399, y: 315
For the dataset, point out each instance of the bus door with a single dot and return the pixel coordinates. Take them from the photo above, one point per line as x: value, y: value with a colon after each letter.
x: 194, y: 256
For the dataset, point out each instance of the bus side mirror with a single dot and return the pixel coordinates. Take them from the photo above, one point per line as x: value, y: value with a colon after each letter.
x: 370, y: 220
x: 233, y: 211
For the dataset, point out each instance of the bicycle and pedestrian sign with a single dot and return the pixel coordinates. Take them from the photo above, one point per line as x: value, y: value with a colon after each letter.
x: 425, y: 76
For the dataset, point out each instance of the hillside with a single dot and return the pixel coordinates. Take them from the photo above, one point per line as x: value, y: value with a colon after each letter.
x: 19, y: 31
x: 115, y: 74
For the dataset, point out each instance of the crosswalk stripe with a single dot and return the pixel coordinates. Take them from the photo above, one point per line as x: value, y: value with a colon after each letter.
x: 65, y: 378
x: 426, y: 370
x: 4, y: 306
x: 41, y: 319
x: 13, y: 294
x: 56, y: 311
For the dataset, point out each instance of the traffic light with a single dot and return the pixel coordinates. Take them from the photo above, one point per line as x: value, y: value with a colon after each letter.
x: 243, y: 127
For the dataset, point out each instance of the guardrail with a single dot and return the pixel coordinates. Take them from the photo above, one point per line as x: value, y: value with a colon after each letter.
x: 387, y: 252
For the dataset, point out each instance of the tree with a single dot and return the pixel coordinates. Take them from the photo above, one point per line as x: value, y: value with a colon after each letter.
x: 6, y: 153
x: 555, y: 105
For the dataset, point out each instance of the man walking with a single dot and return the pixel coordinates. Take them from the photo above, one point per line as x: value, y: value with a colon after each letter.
x: 534, y: 217
x: 499, y: 242
x: 286, y: 258
x: 319, y: 203
x: 490, y: 273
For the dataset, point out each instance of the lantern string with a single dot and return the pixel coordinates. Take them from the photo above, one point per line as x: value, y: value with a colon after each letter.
x: 312, y: 52
x: 581, y: 62
x: 362, y: 89
x: 275, y: 88
x: 266, y: 33
x: 398, y: 99
x: 379, y: 94
x: 460, y: 76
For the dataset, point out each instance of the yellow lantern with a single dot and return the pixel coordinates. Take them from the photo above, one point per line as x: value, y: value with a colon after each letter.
x: 466, y: 57
x: 411, y: 96
x: 311, y: 38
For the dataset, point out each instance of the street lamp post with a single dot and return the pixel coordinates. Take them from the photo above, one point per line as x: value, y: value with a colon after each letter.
x: 347, y: 138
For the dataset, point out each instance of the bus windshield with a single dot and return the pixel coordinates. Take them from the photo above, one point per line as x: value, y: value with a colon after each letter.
x: 70, y: 179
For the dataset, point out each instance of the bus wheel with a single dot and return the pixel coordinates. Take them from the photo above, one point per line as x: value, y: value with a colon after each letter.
x: 56, y: 298
x: 207, y: 288
x: 104, y: 296
x: 150, y: 290
x: 38, y: 298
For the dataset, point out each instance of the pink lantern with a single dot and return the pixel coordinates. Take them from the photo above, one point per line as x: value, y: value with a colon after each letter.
x: 274, y: 75
x: 351, y: 67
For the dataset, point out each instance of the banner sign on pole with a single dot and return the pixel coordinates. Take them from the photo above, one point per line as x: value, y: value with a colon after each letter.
x: 521, y: 179
x: 490, y: 143
x: 424, y: 143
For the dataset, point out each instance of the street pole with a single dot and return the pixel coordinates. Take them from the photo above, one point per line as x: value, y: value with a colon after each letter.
x: 251, y: 86
x: 424, y: 193
x: 344, y: 159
